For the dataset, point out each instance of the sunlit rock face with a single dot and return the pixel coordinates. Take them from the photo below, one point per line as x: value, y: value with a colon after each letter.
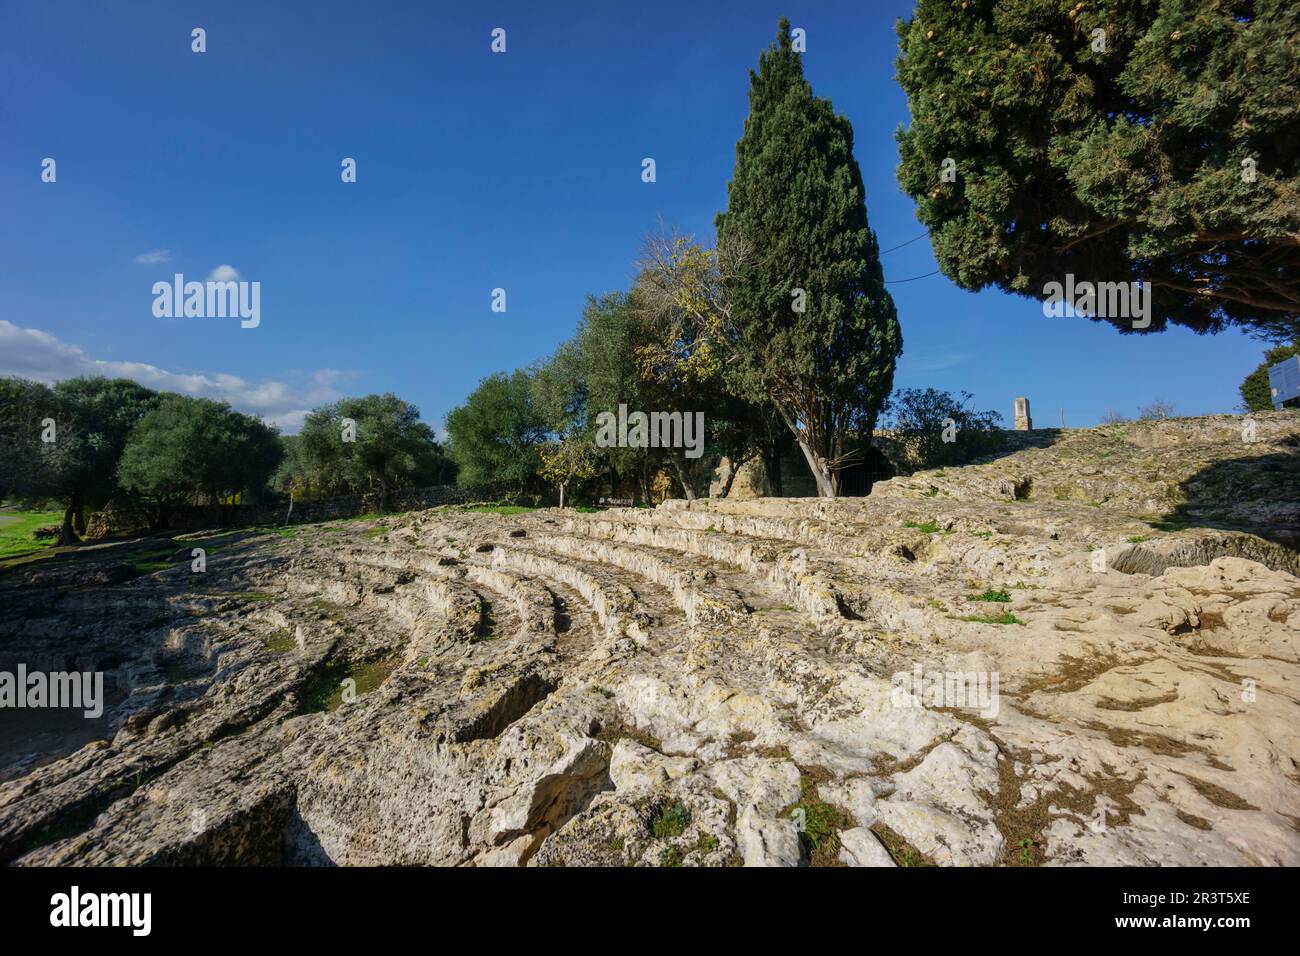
x: 1083, y: 651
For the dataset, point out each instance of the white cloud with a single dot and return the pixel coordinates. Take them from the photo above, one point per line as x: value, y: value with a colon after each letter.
x: 931, y: 361
x: 224, y: 273
x: 31, y: 353
x: 154, y: 256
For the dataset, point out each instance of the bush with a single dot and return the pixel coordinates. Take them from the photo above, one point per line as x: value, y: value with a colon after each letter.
x: 932, y: 429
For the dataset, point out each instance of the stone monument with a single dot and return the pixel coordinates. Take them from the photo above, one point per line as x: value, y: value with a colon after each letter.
x: 1023, y: 422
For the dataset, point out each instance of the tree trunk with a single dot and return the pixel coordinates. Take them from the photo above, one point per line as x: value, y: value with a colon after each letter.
x: 79, y: 520
x: 67, y: 534
x: 683, y: 477
x: 644, y: 480
x: 732, y: 470
x: 820, y: 472
x: 562, y: 484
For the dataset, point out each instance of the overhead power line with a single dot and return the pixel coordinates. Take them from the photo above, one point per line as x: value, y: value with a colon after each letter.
x: 901, y: 244
x: 911, y: 278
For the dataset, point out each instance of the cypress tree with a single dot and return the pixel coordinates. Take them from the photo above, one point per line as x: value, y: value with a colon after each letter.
x: 796, y: 222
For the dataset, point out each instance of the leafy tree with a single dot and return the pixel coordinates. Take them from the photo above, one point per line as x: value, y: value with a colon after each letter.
x: 188, y: 449
x: 606, y: 345
x: 92, y: 418
x: 293, y: 475
x: 680, y: 290
x: 566, y: 461
x: 376, y: 442
x: 797, y: 220
x: 933, y: 429
x: 1255, y: 390
x: 25, y: 461
x: 1116, y: 141
x: 495, y: 436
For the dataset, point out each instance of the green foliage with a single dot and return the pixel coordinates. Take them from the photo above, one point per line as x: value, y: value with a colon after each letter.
x: 1006, y: 617
x: 922, y: 418
x: 991, y: 595
x: 797, y: 219
x: 390, y: 448
x: 928, y: 527
x: 1255, y: 391
x: 567, y: 461
x: 17, y: 527
x: 1118, y: 161
x: 92, y: 418
x: 188, y: 447
x: 497, y: 434
x: 820, y: 832
x: 670, y: 820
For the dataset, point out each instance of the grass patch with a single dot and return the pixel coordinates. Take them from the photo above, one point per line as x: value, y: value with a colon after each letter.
x: 819, y: 822
x: 16, y: 536
x: 930, y: 527
x: 670, y: 819
x: 1138, y: 538
x: 153, y: 561
x: 707, y: 843
x: 327, y: 693
x: 1006, y: 617
x: 500, y: 509
x: 281, y: 642
x: 1001, y: 597
x: 240, y: 595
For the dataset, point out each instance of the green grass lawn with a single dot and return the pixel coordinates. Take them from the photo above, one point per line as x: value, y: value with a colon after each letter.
x: 16, y: 535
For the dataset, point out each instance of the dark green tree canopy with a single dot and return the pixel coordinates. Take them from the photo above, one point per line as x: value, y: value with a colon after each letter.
x: 91, y: 417
x: 1165, y: 148
x: 194, y: 447
x: 357, y: 444
x: 796, y: 219
x: 496, y: 435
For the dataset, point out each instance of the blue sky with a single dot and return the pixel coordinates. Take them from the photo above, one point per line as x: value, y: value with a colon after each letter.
x: 475, y: 170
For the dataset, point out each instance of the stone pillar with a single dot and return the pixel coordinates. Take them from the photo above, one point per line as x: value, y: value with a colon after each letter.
x: 1023, y: 422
